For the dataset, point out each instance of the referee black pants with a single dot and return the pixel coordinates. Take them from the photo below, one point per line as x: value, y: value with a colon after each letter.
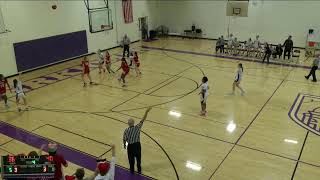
x: 287, y: 52
x: 134, y: 151
x: 313, y: 73
x: 125, y: 48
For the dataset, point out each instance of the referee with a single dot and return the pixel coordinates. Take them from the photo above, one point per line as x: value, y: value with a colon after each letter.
x: 132, y: 136
x: 315, y: 65
x: 126, y: 45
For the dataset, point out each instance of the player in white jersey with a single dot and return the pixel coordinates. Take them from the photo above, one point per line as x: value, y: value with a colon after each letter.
x: 101, y: 61
x: 204, y: 92
x: 17, y: 84
x: 238, y: 79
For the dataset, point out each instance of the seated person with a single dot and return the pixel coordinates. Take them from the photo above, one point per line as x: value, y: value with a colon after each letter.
x: 278, y: 51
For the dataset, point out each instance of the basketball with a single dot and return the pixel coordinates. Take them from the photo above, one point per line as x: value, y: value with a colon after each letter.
x: 54, y: 6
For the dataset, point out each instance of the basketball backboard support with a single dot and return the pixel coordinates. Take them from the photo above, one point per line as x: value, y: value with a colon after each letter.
x: 100, y: 15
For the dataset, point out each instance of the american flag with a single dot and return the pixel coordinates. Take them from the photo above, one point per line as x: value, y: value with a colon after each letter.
x: 127, y: 11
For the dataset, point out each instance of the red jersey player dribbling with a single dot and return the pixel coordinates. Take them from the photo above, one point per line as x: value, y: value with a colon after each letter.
x: 108, y: 63
x: 125, y: 71
x: 3, y: 90
x: 85, y: 70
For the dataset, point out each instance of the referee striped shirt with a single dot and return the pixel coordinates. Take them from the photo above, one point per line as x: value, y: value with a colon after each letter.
x: 132, y: 134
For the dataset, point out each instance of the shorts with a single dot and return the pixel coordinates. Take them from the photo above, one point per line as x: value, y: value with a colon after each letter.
x: 125, y: 73
x: 137, y: 64
x: 86, y: 71
x: 20, y: 95
x: 1, y: 95
x: 203, y: 99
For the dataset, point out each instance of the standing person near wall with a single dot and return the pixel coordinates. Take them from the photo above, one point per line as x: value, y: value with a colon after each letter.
x: 132, y: 136
x: 126, y: 45
x: 288, y: 47
x: 218, y: 45
x: 222, y: 42
x: 315, y: 65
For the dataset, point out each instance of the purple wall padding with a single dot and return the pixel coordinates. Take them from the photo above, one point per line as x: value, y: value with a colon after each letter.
x: 40, y: 52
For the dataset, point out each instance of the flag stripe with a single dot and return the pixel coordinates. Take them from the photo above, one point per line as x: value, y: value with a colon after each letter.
x: 127, y: 11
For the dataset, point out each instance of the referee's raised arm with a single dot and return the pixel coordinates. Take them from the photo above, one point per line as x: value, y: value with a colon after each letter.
x: 145, y: 116
x: 132, y: 136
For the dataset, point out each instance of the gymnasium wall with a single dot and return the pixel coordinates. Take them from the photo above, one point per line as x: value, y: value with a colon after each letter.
x: 274, y: 20
x: 29, y: 20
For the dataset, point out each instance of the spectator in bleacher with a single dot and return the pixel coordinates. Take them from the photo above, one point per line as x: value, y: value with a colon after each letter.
x: 78, y: 175
x: 288, y: 47
x: 278, y: 51
x: 33, y: 153
x: 267, y: 52
x: 104, y: 170
x: 58, y: 160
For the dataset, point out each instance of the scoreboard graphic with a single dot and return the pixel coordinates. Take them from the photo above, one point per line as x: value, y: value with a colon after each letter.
x: 19, y: 167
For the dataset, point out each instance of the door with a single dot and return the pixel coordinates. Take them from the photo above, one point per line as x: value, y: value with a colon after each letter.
x: 143, y: 27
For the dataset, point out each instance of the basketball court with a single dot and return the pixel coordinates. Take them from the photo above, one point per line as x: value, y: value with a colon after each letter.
x: 270, y: 133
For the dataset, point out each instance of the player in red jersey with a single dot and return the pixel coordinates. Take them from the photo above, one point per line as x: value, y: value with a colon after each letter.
x: 125, y: 71
x: 108, y: 63
x: 3, y: 90
x: 136, y: 63
x: 85, y: 70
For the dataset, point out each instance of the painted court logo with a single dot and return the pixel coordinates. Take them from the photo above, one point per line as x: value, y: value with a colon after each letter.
x: 306, y: 112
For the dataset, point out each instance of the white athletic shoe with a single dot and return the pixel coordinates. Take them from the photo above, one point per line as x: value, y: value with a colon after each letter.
x: 7, y: 105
